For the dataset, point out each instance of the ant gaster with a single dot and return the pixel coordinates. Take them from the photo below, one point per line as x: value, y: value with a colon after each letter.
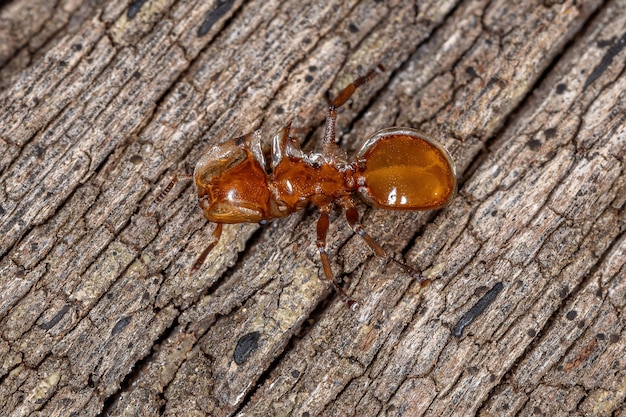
x: 396, y: 168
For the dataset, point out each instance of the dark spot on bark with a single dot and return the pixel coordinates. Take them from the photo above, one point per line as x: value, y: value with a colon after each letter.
x: 571, y: 315
x: 537, y: 410
x: 312, y: 68
x: 477, y: 309
x: 564, y: 292
x: 223, y: 6
x: 600, y: 336
x: 534, y: 144
x: 581, y: 324
x: 607, y: 59
x: 471, y: 72
x: 245, y: 346
x: 120, y: 325
x: 136, y: 159
x: 77, y: 46
x: 308, y: 78
x: 136, y: 75
x: 550, y: 132
x: 614, y: 338
x: 280, y: 110
x: 560, y: 88
x: 306, y: 41
x: 473, y: 370
x: 494, y: 213
x: 353, y: 28
x: 63, y: 64
x: 56, y: 319
x: 90, y: 381
x: 2, y: 210
x: 531, y: 333
x: 134, y: 8
x: 295, y: 373
x: 492, y: 378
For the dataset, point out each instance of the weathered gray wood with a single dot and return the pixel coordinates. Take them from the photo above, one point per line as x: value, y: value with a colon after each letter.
x: 98, y: 310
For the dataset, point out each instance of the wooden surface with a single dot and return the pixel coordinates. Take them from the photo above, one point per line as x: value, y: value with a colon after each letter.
x: 102, y: 102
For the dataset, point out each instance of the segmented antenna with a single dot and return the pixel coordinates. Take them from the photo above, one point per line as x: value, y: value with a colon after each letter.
x: 165, y: 192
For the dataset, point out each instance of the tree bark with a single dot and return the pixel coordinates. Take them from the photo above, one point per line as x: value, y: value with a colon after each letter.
x: 103, y: 102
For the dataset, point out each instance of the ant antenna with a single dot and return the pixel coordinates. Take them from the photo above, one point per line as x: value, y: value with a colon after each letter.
x: 151, y: 208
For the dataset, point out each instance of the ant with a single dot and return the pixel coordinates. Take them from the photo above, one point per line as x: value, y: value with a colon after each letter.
x: 240, y: 180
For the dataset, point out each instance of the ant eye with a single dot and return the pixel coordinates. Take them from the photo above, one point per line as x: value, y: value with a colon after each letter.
x: 400, y: 168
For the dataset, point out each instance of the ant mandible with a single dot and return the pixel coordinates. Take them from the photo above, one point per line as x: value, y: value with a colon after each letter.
x: 241, y: 181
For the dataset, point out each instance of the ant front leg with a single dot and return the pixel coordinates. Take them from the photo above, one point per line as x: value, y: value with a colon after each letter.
x: 352, y: 216
x: 165, y: 192
x: 217, y: 233
x: 322, y: 229
x: 340, y: 100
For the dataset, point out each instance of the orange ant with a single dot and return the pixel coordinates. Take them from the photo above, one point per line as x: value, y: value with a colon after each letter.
x: 240, y: 181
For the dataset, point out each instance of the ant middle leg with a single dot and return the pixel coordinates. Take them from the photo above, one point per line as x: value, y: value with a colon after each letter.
x: 352, y: 216
x: 322, y: 229
x: 343, y: 96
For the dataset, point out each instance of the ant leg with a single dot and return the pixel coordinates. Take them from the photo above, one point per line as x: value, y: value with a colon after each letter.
x: 217, y: 232
x: 340, y: 100
x: 166, y: 190
x: 322, y: 230
x: 352, y: 215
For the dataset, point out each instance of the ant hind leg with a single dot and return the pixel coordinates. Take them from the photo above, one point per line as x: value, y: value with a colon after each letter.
x: 352, y: 216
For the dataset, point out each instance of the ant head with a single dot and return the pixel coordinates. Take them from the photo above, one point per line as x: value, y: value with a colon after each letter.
x: 400, y: 168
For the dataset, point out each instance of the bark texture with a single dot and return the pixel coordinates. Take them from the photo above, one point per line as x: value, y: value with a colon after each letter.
x: 101, y: 103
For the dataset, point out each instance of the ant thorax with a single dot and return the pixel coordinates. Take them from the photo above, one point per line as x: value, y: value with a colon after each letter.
x: 243, y: 180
